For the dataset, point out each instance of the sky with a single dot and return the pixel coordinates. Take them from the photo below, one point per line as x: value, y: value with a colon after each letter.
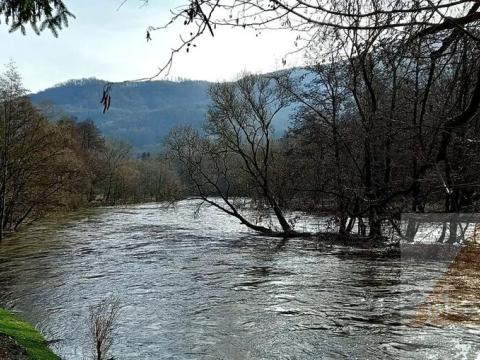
x: 108, y: 42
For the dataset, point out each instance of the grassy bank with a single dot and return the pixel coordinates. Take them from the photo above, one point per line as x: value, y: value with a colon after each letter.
x: 26, y: 336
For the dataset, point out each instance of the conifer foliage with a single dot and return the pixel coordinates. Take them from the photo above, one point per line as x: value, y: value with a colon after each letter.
x: 40, y: 14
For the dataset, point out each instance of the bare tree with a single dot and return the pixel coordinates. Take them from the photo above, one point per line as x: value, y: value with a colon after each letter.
x: 34, y: 167
x: 11, y: 94
x: 103, y: 320
x: 237, y: 153
x: 115, y: 153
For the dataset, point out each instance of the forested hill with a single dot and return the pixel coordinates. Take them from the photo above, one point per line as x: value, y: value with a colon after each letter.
x: 141, y: 113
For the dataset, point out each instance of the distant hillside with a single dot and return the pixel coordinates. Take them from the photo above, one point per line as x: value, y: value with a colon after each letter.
x: 142, y: 113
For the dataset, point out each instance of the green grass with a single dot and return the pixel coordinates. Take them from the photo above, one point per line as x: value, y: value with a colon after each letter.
x: 26, y: 336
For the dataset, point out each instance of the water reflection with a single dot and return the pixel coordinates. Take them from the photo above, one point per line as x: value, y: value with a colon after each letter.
x: 205, y: 288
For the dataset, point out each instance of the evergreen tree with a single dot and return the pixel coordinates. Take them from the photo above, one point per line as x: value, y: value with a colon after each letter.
x: 40, y: 14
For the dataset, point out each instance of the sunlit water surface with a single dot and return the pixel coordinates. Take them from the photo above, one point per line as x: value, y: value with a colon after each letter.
x: 205, y: 288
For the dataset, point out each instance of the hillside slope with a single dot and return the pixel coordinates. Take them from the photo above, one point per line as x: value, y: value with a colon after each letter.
x: 141, y: 113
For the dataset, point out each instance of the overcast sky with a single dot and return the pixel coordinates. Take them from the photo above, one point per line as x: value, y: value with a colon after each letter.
x: 109, y: 44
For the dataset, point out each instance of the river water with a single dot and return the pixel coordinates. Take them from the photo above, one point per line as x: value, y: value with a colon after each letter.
x: 205, y: 288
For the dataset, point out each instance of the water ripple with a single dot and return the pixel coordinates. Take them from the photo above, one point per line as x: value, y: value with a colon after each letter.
x: 204, y: 288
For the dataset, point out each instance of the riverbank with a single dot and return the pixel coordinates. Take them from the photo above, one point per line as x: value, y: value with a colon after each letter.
x: 19, y: 340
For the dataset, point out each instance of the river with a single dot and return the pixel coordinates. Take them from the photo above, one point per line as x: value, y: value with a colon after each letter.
x: 204, y: 287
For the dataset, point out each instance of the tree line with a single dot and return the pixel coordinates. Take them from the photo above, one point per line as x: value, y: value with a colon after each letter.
x: 48, y: 166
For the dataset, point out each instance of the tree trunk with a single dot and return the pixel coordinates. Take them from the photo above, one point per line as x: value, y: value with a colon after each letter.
x: 4, y: 174
x: 281, y: 218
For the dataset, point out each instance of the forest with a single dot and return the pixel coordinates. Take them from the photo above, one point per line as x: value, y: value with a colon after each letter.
x: 64, y: 164
x: 387, y: 118
x: 373, y: 137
